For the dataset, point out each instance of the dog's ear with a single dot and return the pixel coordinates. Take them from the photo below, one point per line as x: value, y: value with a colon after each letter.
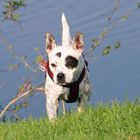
x: 79, y: 42
x: 50, y: 42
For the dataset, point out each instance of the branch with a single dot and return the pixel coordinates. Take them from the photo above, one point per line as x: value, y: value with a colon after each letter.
x: 106, y: 30
x: 38, y: 88
x: 13, y: 53
x: 2, y: 84
x: 110, y: 26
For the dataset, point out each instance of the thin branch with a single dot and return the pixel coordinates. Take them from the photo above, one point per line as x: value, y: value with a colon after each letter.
x: 106, y: 31
x: 39, y: 88
x: 93, y: 58
x: 27, y: 93
x: 115, y: 9
x: 110, y: 26
x: 100, y: 41
x: 12, y: 52
x: 2, y: 84
x: 3, y: 70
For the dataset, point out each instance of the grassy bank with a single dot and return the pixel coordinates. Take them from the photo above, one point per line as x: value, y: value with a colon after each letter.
x: 109, y: 122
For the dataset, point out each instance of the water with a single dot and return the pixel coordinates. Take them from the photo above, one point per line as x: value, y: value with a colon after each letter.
x: 113, y: 77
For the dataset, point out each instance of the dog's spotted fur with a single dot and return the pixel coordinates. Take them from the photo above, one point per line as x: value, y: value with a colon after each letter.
x: 71, y: 62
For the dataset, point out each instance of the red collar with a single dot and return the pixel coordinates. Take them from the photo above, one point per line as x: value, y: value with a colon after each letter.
x: 45, y: 65
x: 73, y: 87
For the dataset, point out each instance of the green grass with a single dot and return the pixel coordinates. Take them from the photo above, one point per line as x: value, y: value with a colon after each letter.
x: 103, y: 122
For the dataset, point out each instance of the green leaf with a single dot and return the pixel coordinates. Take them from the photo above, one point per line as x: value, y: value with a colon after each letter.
x: 36, y: 49
x: 95, y: 43
x: 95, y: 40
x: 117, y: 45
x: 108, y: 47
x: 15, y: 17
x: 106, y: 50
x: 17, y: 108
x: 25, y: 104
x: 6, y: 6
x: 21, y: 3
x: 5, y: 12
x: 138, y: 5
x: 21, y: 87
x: 124, y: 18
x: 38, y: 59
x: 103, y: 34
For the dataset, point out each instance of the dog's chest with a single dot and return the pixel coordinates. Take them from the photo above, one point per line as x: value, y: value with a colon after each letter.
x: 66, y: 93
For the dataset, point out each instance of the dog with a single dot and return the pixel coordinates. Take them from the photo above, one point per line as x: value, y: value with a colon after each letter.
x: 67, y: 75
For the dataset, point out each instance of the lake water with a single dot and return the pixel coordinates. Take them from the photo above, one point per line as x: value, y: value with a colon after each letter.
x: 115, y: 76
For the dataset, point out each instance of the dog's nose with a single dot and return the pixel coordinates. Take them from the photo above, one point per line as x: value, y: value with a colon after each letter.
x: 61, y: 77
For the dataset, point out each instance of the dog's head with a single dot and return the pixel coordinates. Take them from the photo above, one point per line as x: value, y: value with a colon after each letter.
x: 66, y: 61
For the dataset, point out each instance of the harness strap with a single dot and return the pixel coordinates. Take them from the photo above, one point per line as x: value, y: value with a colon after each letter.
x: 73, y: 95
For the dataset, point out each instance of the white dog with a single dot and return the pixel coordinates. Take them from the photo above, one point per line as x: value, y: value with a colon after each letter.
x: 67, y: 76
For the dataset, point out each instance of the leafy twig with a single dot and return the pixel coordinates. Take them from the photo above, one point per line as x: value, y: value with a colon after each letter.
x: 38, y: 88
x: 110, y: 26
x: 2, y: 84
x: 10, y: 8
x: 13, y: 53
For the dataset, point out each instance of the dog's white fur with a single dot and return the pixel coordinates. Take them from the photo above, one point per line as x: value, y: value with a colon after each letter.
x: 52, y: 89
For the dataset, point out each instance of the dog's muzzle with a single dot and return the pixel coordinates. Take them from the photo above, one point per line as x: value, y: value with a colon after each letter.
x: 61, y: 78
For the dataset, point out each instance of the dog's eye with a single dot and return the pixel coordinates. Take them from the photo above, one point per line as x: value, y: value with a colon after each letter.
x: 53, y: 65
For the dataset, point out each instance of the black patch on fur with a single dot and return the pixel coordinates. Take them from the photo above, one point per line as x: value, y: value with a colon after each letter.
x: 58, y: 54
x: 71, y: 62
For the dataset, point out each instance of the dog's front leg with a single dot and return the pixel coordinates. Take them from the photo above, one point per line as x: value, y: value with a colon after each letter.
x: 52, y: 106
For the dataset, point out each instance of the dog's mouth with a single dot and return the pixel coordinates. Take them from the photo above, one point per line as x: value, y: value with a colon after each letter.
x: 62, y: 82
x: 67, y: 84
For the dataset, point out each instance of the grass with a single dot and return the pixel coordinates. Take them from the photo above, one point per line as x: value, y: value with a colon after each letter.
x: 103, y: 122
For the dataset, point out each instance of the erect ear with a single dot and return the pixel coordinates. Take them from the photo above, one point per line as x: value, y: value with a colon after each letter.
x: 50, y: 42
x: 79, y: 42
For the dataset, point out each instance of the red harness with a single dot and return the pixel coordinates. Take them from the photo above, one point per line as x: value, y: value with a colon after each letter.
x: 73, y: 87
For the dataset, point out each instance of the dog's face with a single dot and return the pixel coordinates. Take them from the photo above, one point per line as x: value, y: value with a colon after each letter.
x: 66, y: 62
